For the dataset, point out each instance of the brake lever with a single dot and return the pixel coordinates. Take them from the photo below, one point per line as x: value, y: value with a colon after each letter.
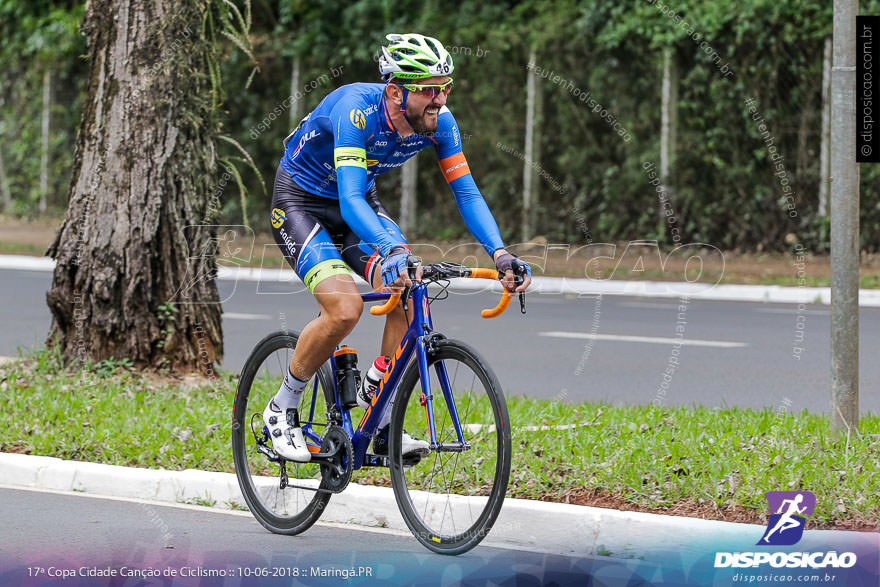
x: 404, y: 298
x: 518, y: 280
x: 411, y: 263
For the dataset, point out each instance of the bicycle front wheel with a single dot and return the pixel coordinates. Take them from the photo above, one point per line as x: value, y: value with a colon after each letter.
x: 291, y: 502
x: 452, y: 496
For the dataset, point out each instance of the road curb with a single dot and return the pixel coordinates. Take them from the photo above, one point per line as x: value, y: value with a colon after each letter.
x: 548, y: 285
x: 523, y: 524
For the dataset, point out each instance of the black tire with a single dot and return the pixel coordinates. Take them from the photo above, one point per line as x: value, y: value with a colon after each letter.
x: 485, y: 468
x: 291, y: 510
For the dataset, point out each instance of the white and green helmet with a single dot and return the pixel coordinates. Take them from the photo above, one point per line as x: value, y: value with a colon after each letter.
x: 414, y: 56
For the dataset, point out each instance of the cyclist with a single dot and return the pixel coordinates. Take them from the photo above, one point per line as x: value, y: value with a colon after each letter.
x: 328, y: 220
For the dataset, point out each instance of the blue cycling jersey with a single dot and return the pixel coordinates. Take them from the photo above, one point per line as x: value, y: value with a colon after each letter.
x: 339, y: 148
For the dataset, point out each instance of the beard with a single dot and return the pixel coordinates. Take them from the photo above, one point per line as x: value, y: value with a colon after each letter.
x: 422, y: 123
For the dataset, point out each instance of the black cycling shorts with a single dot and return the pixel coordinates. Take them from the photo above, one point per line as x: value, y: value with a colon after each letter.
x: 315, y: 239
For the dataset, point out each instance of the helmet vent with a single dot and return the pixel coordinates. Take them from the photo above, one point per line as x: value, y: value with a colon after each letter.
x: 414, y: 56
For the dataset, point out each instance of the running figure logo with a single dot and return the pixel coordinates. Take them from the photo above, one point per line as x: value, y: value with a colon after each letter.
x: 786, y: 524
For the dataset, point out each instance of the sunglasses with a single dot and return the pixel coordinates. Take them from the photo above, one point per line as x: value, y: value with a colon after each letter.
x: 429, y: 89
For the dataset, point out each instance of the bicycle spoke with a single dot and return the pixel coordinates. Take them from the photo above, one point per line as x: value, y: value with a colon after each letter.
x: 291, y: 509
x: 453, y: 495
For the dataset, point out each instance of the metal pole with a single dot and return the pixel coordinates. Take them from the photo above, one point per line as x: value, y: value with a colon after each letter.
x: 44, y: 149
x: 668, y: 128
x: 824, y: 155
x: 844, y: 223
x: 408, y: 186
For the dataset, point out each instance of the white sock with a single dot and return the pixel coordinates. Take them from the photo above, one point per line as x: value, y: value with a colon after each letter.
x: 386, y: 416
x: 289, y: 393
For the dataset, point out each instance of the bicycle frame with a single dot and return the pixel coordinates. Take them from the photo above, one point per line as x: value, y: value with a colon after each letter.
x: 413, y: 344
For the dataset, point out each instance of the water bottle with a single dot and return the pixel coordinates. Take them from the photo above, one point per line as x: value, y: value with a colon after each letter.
x: 348, y: 378
x: 370, y: 382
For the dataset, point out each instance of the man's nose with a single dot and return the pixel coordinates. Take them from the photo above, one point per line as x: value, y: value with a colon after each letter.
x: 439, y: 99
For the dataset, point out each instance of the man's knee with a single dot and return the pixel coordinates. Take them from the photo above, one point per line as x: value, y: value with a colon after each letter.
x: 344, y: 316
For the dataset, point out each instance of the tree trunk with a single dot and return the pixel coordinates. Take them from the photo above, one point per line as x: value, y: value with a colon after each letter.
x: 44, y: 143
x: 4, y: 183
x: 408, y: 185
x: 668, y: 130
x: 825, y: 149
x: 134, y: 273
x: 528, y: 153
x: 295, y: 92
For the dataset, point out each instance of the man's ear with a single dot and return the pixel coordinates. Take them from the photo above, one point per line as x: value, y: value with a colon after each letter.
x: 394, y: 93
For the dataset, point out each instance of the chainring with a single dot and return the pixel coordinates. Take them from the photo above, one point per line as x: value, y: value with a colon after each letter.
x: 337, y: 472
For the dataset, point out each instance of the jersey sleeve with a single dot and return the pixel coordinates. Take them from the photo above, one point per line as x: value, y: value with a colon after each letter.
x: 471, y: 205
x: 350, y: 132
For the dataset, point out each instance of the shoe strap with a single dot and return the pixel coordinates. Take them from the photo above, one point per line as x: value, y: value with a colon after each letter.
x: 292, y: 417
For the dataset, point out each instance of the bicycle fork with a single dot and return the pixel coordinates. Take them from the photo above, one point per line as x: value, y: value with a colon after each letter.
x: 427, y: 400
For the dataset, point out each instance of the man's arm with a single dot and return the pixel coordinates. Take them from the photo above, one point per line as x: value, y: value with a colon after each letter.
x: 471, y: 204
x: 470, y: 201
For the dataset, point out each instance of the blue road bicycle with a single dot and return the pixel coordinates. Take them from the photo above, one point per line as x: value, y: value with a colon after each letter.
x: 439, y: 390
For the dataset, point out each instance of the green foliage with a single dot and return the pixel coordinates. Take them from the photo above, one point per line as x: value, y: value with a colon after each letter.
x: 39, y: 36
x: 108, y: 367
x: 167, y: 315
x: 723, y: 188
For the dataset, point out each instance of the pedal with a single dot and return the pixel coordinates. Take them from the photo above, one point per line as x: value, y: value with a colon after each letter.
x: 413, y: 458
x: 375, y: 460
x: 264, y: 445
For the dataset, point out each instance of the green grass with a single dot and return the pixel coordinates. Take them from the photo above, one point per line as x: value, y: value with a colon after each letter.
x: 206, y: 501
x: 113, y: 416
x: 653, y: 458
x: 8, y: 248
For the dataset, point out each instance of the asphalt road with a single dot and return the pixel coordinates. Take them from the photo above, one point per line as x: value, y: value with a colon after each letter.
x: 53, y: 538
x: 749, y: 355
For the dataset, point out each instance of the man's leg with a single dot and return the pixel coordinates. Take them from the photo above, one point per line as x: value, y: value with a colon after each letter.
x: 341, y: 306
x: 396, y: 323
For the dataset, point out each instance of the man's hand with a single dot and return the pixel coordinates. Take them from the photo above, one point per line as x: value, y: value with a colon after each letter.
x: 394, y: 268
x: 511, y: 266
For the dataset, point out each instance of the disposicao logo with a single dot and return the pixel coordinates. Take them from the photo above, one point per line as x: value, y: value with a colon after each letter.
x: 785, y: 527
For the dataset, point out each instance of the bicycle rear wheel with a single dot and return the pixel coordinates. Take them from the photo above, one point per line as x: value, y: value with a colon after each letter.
x: 295, y: 507
x: 451, y: 498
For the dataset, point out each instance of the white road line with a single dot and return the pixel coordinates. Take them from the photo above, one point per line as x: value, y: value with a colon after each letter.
x: 239, y: 316
x: 475, y: 428
x: 648, y: 339
x: 547, y: 285
x: 199, y: 508
x: 669, y: 306
x: 793, y: 311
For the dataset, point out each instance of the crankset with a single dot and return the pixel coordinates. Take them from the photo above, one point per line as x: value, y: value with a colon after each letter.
x: 336, y: 459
